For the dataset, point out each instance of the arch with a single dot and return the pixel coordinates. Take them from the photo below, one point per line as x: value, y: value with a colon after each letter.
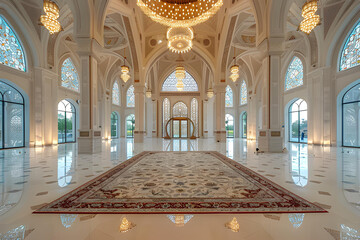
x: 190, y: 85
x: 229, y: 97
x: 166, y: 115
x: 294, y: 74
x: 297, y: 121
x: 243, y: 125
x: 69, y: 75
x: 229, y: 125
x: 130, y: 126
x: 115, y: 125
x: 350, y: 53
x: 130, y: 97
x: 180, y: 110
x: 243, y: 93
x: 116, y: 93
x: 66, y: 122
x: 13, y: 54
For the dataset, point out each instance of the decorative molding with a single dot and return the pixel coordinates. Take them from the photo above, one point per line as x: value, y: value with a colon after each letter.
x: 196, y: 94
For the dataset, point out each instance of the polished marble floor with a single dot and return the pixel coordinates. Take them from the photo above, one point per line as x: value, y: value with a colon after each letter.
x: 327, y: 176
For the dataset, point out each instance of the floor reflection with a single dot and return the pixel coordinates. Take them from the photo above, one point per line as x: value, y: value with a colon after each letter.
x: 14, y: 234
x: 296, y: 219
x: 299, y: 164
x: 67, y: 219
x: 66, y: 162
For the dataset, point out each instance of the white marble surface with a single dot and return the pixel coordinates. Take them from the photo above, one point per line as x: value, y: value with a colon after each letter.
x: 329, y: 176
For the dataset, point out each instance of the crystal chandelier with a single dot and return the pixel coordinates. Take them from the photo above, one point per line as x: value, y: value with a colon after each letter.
x: 180, y: 13
x: 126, y: 225
x: 233, y: 225
x: 125, y: 71
x: 210, y: 93
x: 311, y: 20
x: 49, y: 20
x: 180, y: 39
x: 180, y: 75
x: 234, y: 70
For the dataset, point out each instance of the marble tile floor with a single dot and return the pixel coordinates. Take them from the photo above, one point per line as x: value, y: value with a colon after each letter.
x: 327, y: 176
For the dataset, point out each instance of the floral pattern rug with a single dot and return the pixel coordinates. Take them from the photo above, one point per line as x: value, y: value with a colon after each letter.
x: 180, y: 182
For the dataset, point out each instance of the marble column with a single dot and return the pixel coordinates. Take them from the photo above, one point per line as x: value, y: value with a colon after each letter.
x: 139, y: 133
x: 220, y: 131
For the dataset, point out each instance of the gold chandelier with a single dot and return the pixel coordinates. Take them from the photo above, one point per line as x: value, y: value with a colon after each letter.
x: 180, y: 13
x: 180, y: 39
x: 49, y: 20
x: 311, y: 20
x: 210, y: 93
x: 125, y: 71
x: 148, y: 93
x: 180, y: 75
x: 234, y: 70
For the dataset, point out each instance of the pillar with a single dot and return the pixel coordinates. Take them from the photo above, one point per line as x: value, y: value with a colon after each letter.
x: 220, y: 131
x: 139, y: 133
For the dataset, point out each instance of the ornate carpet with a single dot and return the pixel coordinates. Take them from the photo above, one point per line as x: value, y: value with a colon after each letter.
x: 180, y: 182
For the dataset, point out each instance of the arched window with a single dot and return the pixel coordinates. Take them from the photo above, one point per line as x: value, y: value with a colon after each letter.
x: 194, y: 116
x: 243, y: 93
x: 243, y: 123
x: 229, y: 97
x: 66, y: 122
x: 190, y: 84
x: 180, y: 128
x: 180, y: 110
x: 166, y: 115
x: 298, y: 121
x: 69, y: 76
x: 116, y: 93
x: 12, y: 112
x: 130, y: 97
x: 295, y: 74
x: 130, y: 126
x: 229, y: 126
x: 115, y: 125
x: 11, y: 51
x: 350, y: 54
x: 351, y: 117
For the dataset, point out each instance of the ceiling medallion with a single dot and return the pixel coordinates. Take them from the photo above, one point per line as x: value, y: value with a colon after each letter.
x: 180, y: 13
x: 180, y: 39
x: 49, y: 20
x: 311, y: 20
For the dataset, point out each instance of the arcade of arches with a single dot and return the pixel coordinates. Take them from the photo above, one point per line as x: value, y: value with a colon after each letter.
x: 293, y: 115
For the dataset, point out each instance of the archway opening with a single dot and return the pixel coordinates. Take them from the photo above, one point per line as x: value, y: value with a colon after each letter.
x: 66, y: 122
x: 229, y: 126
x: 298, y: 122
x: 115, y: 125
x: 130, y: 126
x: 351, y: 117
x: 243, y: 125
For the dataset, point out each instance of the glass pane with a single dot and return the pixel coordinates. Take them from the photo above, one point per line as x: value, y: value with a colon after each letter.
x: 229, y: 97
x: 130, y: 97
x: 352, y: 95
x: 294, y: 75
x: 184, y: 129
x: 70, y: 127
x: 130, y: 126
x: 229, y: 126
x: 294, y: 126
x: 61, y: 127
x: 243, y: 93
x: 14, y: 125
x: 194, y: 117
x: 244, y: 125
x: 166, y: 116
x: 176, y: 129
x: 69, y: 75
x: 1, y: 123
x: 10, y: 93
x: 116, y: 94
x: 303, y: 127
x: 190, y: 84
x: 114, y: 125
x: 350, y: 55
x: 351, y: 127
x: 180, y: 110
x: 12, y: 53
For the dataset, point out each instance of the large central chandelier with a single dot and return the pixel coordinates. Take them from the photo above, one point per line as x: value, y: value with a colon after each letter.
x: 311, y: 20
x: 180, y: 39
x: 49, y: 20
x: 180, y: 75
x: 180, y: 13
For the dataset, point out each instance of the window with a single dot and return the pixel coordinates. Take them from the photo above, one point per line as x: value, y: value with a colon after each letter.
x: 180, y: 110
x: 130, y: 126
x: 166, y: 116
x: 229, y: 126
x: 114, y: 125
x: 69, y: 76
x: 194, y: 116
x: 66, y: 122
x: 190, y: 84
x: 12, y: 53
x: 350, y: 55
x: 243, y: 122
x: 295, y: 74
x: 130, y: 97
x: 351, y: 117
x: 228, y: 97
x: 116, y: 93
x: 243, y: 93
x: 12, y: 112
x: 298, y: 121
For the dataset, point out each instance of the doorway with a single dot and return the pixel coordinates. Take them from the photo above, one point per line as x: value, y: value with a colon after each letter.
x: 180, y: 128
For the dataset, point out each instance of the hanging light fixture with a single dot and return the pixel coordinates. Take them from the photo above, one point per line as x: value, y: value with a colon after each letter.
x: 125, y: 70
x: 233, y: 225
x: 311, y: 20
x: 126, y: 225
x: 50, y: 19
x: 234, y: 70
x: 148, y: 93
x: 180, y: 13
x: 210, y: 91
x: 180, y: 75
x: 180, y: 39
